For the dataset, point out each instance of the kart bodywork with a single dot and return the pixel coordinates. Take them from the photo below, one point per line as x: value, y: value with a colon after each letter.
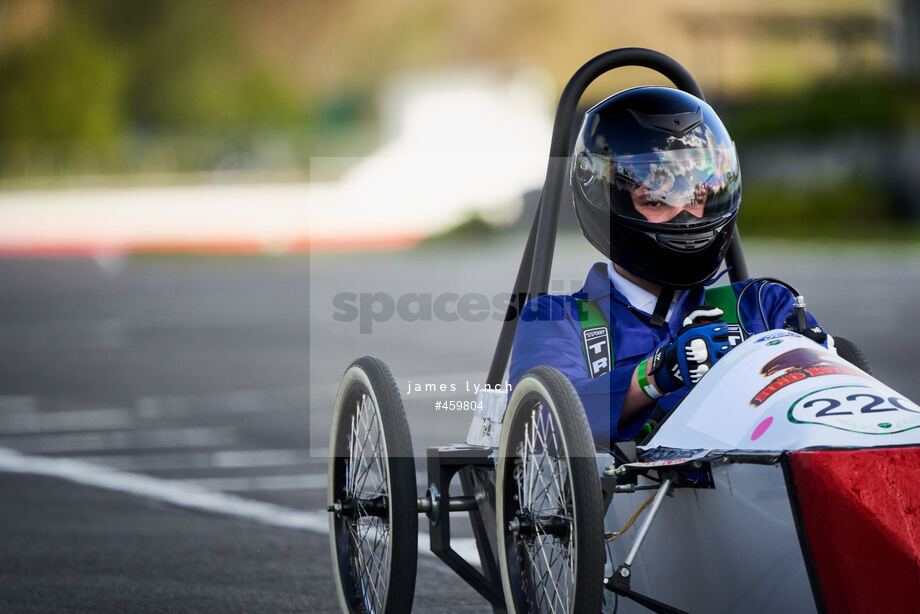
x: 806, y: 494
x: 785, y: 481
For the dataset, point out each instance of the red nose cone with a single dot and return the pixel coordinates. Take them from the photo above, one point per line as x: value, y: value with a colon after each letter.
x: 861, y: 513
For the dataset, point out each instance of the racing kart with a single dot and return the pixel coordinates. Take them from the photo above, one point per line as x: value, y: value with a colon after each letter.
x: 786, y: 480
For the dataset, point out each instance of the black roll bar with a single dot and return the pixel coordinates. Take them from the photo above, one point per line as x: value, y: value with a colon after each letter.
x: 537, y: 262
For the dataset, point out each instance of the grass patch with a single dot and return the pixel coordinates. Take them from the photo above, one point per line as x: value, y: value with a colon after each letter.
x: 847, y: 209
x: 868, y: 104
x: 473, y: 229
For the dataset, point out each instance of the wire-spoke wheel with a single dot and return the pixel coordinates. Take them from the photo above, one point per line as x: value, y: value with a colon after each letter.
x: 549, y: 506
x: 373, y: 520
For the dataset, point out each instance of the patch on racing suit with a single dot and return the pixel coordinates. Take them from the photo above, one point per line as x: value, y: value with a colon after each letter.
x: 735, y: 335
x: 597, y: 350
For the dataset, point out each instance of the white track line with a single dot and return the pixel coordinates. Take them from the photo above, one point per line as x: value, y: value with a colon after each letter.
x: 92, y: 333
x: 189, y: 495
x: 17, y: 403
x: 172, y: 491
x: 128, y: 440
x: 65, y: 421
x: 316, y: 481
x: 243, y: 401
x: 303, y: 481
x: 223, y: 459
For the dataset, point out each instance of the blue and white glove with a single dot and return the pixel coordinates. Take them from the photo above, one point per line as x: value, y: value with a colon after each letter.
x: 702, y: 341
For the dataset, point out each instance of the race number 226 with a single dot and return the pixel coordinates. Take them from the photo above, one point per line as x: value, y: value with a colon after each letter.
x: 869, y: 404
x: 856, y: 408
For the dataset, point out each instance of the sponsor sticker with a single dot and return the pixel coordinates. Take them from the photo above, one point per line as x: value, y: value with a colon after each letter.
x: 776, y: 335
x: 597, y: 350
x: 667, y: 462
x: 796, y: 365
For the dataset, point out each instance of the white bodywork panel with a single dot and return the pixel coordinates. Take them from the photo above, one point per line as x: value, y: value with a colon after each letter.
x: 730, y: 549
x: 781, y: 391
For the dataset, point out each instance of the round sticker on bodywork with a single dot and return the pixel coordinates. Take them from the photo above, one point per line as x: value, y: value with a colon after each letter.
x: 856, y: 408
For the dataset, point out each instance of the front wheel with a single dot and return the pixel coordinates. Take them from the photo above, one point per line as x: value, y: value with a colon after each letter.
x: 549, y: 510
x: 850, y: 352
x: 373, y: 521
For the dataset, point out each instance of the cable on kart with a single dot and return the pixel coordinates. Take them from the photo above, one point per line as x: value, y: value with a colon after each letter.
x: 609, y: 537
x: 798, y: 303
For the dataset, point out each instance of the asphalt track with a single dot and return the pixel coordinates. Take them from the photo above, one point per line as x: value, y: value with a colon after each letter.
x: 170, y: 416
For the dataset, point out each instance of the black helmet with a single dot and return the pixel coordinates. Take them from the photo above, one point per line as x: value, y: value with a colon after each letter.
x: 657, y: 185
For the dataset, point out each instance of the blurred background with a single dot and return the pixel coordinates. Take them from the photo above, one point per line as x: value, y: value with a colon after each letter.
x: 821, y: 97
x: 187, y: 186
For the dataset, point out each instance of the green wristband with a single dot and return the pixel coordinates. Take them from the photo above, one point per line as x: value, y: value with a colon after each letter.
x: 649, y: 390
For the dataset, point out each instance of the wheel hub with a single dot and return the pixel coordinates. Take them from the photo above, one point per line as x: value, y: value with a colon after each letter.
x: 525, y: 524
x: 351, y: 507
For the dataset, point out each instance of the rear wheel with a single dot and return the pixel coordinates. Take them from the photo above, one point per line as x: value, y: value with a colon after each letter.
x: 373, y: 524
x: 549, y: 512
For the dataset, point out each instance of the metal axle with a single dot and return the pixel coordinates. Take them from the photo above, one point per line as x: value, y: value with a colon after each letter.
x: 430, y: 503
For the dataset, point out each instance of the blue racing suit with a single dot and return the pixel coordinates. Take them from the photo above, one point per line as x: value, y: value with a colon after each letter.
x: 549, y: 333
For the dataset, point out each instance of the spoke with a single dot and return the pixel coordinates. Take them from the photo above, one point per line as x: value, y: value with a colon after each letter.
x: 366, y: 464
x: 362, y: 566
x: 548, y: 435
x: 349, y: 470
x: 370, y: 565
x: 543, y: 488
x: 374, y: 461
x: 549, y: 570
x: 380, y: 537
x: 527, y: 454
x: 373, y: 565
x: 357, y: 444
x: 561, y: 467
x: 366, y: 478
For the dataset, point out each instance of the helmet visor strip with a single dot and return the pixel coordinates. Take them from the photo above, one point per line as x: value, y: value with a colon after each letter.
x: 675, y: 187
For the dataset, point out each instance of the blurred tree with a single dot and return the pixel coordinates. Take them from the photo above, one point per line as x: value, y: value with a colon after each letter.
x: 165, y: 65
x: 823, y: 208
x: 66, y: 85
x: 187, y: 66
x: 860, y: 102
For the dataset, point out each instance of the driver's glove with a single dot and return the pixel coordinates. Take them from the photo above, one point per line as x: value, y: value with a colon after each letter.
x: 702, y: 341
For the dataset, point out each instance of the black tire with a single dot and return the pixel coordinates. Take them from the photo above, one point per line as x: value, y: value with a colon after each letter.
x: 373, y: 524
x: 550, y: 531
x: 849, y: 351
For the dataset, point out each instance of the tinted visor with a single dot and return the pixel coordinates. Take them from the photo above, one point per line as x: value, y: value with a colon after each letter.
x: 682, y: 186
